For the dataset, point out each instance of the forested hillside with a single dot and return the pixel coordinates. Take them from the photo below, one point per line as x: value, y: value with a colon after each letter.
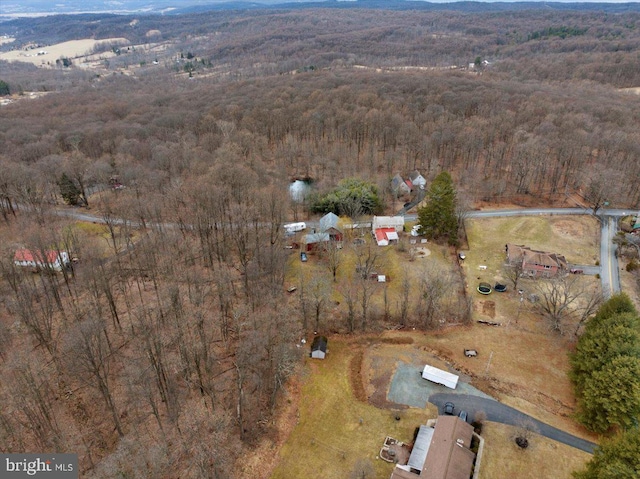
x: 164, y: 350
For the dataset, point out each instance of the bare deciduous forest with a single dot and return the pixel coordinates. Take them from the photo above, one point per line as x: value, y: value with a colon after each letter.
x: 164, y: 350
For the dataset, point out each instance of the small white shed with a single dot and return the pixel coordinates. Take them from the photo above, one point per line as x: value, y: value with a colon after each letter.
x: 319, y: 347
x: 440, y: 377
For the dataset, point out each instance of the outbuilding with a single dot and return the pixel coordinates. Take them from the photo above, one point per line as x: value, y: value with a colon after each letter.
x: 440, y: 377
x: 319, y: 347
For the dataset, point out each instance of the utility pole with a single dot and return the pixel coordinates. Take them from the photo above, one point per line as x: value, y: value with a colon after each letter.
x: 486, y: 370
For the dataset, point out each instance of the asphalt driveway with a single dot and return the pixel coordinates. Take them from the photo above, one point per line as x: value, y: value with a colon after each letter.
x: 498, y: 412
x: 407, y: 387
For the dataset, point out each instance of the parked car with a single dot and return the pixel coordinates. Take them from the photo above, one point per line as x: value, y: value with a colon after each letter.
x: 448, y: 408
x: 576, y: 271
x: 303, y: 256
x: 463, y: 415
x: 461, y: 255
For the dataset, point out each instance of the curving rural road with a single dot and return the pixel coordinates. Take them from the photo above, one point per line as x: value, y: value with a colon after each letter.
x: 609, y: 272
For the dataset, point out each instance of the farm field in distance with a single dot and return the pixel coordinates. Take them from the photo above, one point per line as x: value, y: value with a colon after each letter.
x: 152, y: 159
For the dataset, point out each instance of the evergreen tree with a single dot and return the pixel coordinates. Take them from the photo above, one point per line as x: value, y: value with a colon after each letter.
x: 4, y: 88
x: 352, y: 198
x: 611, y: 397
x: 616, y: 458
x: 68, y: 190
x: 605, y: 367
x: 601, y: 343
x: 437, y: 218
x: 619, y: 303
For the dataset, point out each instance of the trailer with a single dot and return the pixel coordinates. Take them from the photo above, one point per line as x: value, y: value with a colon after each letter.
x: 294, y: 227
x: 439, y: 376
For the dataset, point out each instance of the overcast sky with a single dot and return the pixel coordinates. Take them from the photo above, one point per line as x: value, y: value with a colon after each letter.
x: 67, y: 6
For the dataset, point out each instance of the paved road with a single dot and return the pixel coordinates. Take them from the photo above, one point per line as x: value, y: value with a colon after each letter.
x: 608, y: 262
x: 501, y: 413
x: 609, y: 274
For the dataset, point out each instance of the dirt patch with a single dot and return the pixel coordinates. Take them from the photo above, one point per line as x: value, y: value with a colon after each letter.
x: 421, y: 252
x: 355, y: 375
x: 488, y: 308
x: 379, y: 381
x: 399, y: 340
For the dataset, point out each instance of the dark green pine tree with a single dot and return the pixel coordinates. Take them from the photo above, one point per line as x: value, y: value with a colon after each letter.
x: 68, y: 190
x: 615, y: 458
x: 4, y: 88
x: 437, y: 218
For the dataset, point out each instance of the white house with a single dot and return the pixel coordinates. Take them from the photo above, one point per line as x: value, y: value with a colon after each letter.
x: 418, y: 180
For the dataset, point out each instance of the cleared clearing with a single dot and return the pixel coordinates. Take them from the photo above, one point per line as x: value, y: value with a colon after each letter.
x: 71, y: 49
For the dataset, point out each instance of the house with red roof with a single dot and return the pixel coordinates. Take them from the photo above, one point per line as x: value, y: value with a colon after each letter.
x: 48, y: 259
x: 536, y: 263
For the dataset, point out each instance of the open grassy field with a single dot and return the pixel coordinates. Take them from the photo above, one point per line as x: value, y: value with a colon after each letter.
x: 543, y: 458
x: 575, y: 237
x: 71, y: 49
x: 522, y: 362
x: 334, y: 429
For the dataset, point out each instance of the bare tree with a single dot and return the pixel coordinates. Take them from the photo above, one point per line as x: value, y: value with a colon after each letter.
x: 558, y: 299
x: 90, y: 355
x: 319, y: 291
x: 36, y: 309
x: 332, y: 253
x: 368, y: 258
x: 363, y: 469
x: 348, y: 291
x: 34, y: 399
x: 513, y: 272
x: 404, y: 298
x: 434, y: 292
x: 525, y: 430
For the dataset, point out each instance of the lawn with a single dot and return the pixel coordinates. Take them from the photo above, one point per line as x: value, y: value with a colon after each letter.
x: 575, y: 237
x: 335, y: 429
x: 521, y: 362
x: 544, y: 458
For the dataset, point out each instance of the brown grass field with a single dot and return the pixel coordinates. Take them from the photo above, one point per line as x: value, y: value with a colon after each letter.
x: 528, y: 367
x: 332, y: 428
x: 543, y: 458
x: 71, y: 49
